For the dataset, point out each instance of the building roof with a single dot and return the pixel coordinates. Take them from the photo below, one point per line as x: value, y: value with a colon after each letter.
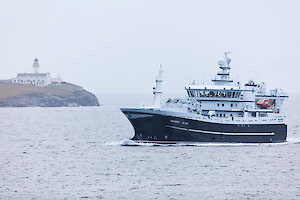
x: 33, y: 74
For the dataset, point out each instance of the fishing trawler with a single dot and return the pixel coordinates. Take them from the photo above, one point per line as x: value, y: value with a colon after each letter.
x: 225, y: 111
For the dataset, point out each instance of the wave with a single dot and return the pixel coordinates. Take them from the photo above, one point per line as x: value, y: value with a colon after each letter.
x: 196, y: 144
x: 293, y: 140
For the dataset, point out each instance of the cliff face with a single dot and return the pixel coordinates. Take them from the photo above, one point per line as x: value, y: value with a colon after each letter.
x: 66, y: 95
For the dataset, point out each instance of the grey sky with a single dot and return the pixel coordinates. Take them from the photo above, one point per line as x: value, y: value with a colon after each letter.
x: 117, y: 46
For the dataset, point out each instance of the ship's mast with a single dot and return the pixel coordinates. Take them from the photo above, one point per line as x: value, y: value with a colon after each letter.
x: 223, y: 74
x: 157, y: 89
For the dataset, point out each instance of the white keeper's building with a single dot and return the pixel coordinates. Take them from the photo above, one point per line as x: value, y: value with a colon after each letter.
x: 36, y: 78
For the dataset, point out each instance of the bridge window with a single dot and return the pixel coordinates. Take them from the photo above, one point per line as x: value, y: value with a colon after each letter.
x: 199, y: 93
x: 229, y: 94
x: 207, y: 94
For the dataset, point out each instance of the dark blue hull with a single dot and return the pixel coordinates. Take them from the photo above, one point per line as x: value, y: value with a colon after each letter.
x: 164, y: 128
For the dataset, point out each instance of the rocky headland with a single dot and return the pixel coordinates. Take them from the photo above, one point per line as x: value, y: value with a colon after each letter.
x: 65, y: 95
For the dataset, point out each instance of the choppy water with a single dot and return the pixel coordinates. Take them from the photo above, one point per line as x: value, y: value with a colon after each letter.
x: 76, y: 153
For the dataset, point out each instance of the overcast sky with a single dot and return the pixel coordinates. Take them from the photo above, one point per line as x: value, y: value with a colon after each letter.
x: 117, y: 46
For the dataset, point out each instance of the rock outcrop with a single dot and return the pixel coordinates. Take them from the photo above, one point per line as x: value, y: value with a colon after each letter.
x: 66, y: 95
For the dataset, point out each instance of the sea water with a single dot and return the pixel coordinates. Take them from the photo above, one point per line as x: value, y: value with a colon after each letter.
x: 77, y: 153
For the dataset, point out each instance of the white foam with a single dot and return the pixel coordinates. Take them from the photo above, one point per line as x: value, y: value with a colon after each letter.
x: 292, y: 140
x: 200, y: 144
x: 115, y: 143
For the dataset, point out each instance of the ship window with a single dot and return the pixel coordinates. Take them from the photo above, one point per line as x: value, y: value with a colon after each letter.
x: 263, y: 115
x: 201, y: 93
x: 254, y: 114
x: 192, y: 93
x: 224, y: 115
x: 218, y: 104
x: 222, y: 104
x: 229, y: 94
x: 221, y: 115
x: 206, y: 94
x: 231, y: 105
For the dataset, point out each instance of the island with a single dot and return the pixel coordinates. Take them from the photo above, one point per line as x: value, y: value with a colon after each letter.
x: 65, y: 95
x: 42, y: 90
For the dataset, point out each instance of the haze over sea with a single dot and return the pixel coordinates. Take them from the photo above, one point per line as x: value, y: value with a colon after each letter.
x: 75, y: 153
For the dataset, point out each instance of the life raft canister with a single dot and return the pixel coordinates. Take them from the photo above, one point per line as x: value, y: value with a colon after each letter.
x: 264, y: 104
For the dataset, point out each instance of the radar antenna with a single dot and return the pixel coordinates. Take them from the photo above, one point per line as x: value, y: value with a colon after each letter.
x: 227, y: 52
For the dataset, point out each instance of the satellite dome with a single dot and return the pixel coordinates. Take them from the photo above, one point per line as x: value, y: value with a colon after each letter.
x: 221, y: 62
x: 227, y: 60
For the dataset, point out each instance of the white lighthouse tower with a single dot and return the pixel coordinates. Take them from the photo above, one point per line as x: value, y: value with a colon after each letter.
x: 36, y: 66
x: 36, y: 78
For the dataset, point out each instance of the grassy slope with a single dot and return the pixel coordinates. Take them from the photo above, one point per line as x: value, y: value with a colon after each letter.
x: 11, y: 90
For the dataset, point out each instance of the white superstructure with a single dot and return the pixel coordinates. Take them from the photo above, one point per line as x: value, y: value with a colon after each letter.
x: 227, y: 101
x: 36, y: 78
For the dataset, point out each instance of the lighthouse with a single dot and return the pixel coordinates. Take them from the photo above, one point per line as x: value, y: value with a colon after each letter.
x: 36, y: 78
x: 36, y: 66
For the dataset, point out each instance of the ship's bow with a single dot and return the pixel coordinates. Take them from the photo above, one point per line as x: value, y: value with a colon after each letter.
x: 145, y: 122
